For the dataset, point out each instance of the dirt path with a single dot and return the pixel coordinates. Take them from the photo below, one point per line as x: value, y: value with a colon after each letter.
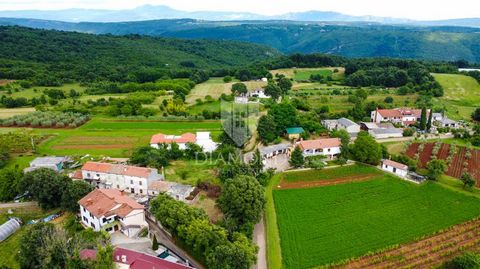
x: 319, y: 183
x: 426, y: 253
x: 260, y: 240
x: 18, y: 205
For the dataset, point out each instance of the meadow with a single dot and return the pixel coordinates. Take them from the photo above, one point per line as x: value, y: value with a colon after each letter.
x: 302, y: 74
x: 461, y: 95
x: 215, y: 87
x: 319, y: 226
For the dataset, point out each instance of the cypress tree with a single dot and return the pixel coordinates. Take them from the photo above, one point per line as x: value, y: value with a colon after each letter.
x: 297, y: 159
x: 423, y: 119
x: 429, y: 123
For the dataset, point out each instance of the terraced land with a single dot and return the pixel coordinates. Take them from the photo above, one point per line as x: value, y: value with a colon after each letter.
x: 325, y: 225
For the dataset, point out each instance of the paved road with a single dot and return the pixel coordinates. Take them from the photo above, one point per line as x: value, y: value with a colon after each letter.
x: 164, y: 238
x: 401, y: 139
x: 18, y: 205
x: 260, y: 240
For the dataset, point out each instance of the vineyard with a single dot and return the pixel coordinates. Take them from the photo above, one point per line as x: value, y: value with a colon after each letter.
x: 426, y: 253
x: 458, y: 159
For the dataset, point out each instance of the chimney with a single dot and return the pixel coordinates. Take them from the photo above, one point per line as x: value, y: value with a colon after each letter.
x: 124, y: 258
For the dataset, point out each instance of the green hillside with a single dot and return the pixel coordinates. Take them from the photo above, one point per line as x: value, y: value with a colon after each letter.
x: 461, y: 95
x: 78, y: 56
x: 346, y: 39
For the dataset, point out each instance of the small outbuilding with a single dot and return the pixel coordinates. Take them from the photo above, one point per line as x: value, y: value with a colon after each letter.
x: 51, y: 162
x: 294, y: 132
x: 398, y: 169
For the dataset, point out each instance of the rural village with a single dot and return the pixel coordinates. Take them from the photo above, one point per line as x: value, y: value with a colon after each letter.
x: 231, y: 155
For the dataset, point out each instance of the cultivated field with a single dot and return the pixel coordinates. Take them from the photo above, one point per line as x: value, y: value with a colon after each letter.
x: 328, y: 224
x: 426, y: 253
x: 112, y: 137
x: 458, y: 158
x: 461, y: 97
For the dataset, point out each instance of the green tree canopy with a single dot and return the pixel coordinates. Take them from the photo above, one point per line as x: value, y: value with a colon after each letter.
x: 366, y: 150
x: 239, y: 89
x: 297, y: 160
x: 435, y: 169
x: 243, y: 199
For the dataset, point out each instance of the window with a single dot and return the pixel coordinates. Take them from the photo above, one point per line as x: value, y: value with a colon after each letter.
x: 394, y: 170
x: 93, y: 225
x: 131, y: 181
x: 132, y: 190
x: 118, y: 186
x: 85, y: 219
x: 88, y: 175
x: 329, y: 150
x: 141, y: 191
x: 140, y: 183
x: 98, y: 175
x: 104, y: 220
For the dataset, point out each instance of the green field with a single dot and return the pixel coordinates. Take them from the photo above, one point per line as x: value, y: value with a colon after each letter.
x: 111, y: 137
x: 325, y: 225
x: 10, y: 112
x: 461, y: 95
x: 332, y: 173
x: 303, y: 74
x: 37, y: 91
x: 215, y: 87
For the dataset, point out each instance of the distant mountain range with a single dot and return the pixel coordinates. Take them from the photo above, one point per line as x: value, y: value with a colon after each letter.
x: 151, y: 12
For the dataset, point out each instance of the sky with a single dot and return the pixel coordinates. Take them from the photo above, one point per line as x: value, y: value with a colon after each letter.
x: 411, y: 9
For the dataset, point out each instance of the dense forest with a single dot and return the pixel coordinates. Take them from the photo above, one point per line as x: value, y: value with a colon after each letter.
x: 350, y: 40
x: 51, y: 58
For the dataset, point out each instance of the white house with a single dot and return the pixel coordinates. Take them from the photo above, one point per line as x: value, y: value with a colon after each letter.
x: 403, y: 116
x: 259, y: 93
x: 112, y: 210
x: 342, y: 124
x: 132, y: 179
x: 398, y: 169
x: 328, y: 147
x: 274, y: 150
x: 181, y: 140
x: 203, y: 139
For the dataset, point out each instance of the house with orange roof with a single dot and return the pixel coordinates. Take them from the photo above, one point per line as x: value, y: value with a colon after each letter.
x: 403, y: 116
x: 112, y: 210
x: 328, y: 147
x: 128, y: 178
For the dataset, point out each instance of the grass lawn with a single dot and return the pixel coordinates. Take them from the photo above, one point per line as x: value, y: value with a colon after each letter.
x: 461, y: 95
x: 189, y: 172
x: 10, y: 247
x: 299, y: 74
x: 325, y: 225
x: 329, y: 174
x: 37, y: 91
x: 215, y: 87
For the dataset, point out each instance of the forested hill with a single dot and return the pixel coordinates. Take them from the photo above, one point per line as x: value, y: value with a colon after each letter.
x: 346, y: 39
x: 40, y: 54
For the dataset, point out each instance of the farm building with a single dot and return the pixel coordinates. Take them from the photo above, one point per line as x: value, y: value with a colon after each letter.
x: 383, y: 133
x: 112, y: 210
x: 177, y: 191
x: 272, y: 151
x: 294, y: 132
x: 122, y: 177
x: 398, y: 169
x: 203, y: 139
x: 9, y: 228
x: 403, y: 116
x: 54, y: 163
x: 342, y: 124
x: 448, y: 123
x: 328, y: 147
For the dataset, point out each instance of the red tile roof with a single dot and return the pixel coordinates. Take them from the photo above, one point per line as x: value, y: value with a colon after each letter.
x: 88, y: 254
x: 77, y: 175
x: 399, y: 112
x: 118, y: 169
x: 168, y: 139
x: 320, y: 143
x: 395, y: 164
x: 137, y: 260
x: 108, y: 202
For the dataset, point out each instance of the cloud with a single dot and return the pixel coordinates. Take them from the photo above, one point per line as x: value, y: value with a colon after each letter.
x: 413, y: 9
